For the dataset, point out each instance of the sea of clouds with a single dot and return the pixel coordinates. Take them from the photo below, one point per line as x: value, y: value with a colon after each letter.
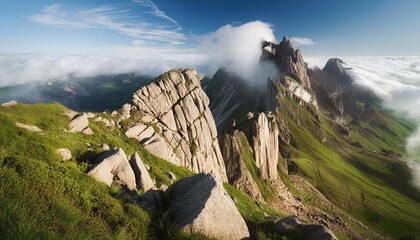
x: 396, y: 80
x: 235, y: 47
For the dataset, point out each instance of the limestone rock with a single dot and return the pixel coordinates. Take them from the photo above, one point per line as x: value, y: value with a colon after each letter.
x: 233, y: 154
x: 9, y: 103
x: 288, y: 61
x: 264, y: 139
x: 108, y: 123
x: 143, y: 179
x: 31, y: 128
x: 200, y: 204
x: 104, y: 146
x: 87, y: 131
x: 305, y: 231
x: 70, y: 114
x: 80, y: 123
x: 176, y: 123
x: 125, y: 112
x: 90, y: 115
x: 171, y: 176
x: 65, y: 153
x: 114, y: 167
x: 163, y: 188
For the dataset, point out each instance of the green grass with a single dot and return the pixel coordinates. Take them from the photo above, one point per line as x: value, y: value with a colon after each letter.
x: 109, y: 86
x: 253, y: 212
x: 46, y: 198
x: 344, y: 171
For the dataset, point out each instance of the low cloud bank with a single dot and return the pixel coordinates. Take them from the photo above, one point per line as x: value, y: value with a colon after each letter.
x: 396, y: 80
x: 235, y: 47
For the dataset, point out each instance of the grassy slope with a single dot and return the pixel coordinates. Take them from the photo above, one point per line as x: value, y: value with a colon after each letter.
x: 362, y: 180
x: 43, y: 197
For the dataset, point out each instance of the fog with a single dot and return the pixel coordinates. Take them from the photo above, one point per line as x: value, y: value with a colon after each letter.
x: 234, y: 47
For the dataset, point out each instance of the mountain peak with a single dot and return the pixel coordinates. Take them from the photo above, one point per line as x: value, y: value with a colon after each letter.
x: 288, y: 60
x: 334, y: 66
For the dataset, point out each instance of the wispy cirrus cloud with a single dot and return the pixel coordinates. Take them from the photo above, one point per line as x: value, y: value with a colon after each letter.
x: 301, y: 41
x: 156, y: 11
x: 140, y: 27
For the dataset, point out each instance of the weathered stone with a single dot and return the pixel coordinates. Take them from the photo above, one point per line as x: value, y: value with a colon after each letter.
x: 108, y: 123
x: 65, y: 153
x: 79, y: 123
x: 87, y: 131
x: 9, y: 103
x: 180, y: 127
x: 305, y: 231
x: 200, y: 204
x: 143, y: 180
x: 171, y: 176
x: 90, y: 115
x: 125, y: 112
x: 104, y: 146
x: 163, y: 187
x: 70, y: 114
x: 114, y: 167
x: 263, y: 134
x: 233, y: 150
x: 31, y: 128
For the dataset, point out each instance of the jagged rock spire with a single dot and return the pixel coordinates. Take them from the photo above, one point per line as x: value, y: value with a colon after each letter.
x: 288, y: 60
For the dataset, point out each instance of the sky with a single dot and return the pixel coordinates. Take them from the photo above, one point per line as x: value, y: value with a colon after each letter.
x: 319, y: 28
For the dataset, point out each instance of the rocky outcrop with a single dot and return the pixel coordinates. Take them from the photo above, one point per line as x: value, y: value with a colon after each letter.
x: 304, y: 231
x: 80, y: 123
x: 114, y: 167
x: 200, y: 204
x: 288, y: 61
x: 9, y: 103
x: 143, y: 180
x: 64, y: 153
x: 263, y: 135
x: 170, y: 117
x: 232, y: 147
x: 31, y: 128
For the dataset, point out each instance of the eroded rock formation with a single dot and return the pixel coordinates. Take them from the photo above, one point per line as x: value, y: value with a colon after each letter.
x: 170, y: 117
x: 232, y: 147
x: 114, y: 167
x: 263, y: 137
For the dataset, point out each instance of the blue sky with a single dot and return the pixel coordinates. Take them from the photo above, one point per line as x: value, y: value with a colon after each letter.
x: 328, y: 28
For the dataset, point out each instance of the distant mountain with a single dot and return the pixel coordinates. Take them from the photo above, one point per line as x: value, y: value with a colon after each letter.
x: 99, y: 93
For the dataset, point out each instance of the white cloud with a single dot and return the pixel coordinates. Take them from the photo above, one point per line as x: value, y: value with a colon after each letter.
x: 156, y: 11
x: 122, y: 21
x: 237, y: 48
x: 301, y: 41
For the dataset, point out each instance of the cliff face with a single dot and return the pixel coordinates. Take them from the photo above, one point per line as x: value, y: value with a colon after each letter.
x: 289, y: 61
x: 265, y: 143
x: 231, y: 98
x: 170, y: 117
x: 233, y: 151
